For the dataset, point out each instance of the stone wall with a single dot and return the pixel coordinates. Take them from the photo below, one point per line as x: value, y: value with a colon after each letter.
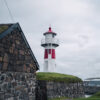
x: 49, y: 90
x: 17, y: 86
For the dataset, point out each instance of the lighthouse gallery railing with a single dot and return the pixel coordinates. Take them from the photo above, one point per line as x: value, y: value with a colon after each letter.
x: 51, y: 41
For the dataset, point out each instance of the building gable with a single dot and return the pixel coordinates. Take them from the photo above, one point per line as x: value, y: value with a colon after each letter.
x: 15, y: 52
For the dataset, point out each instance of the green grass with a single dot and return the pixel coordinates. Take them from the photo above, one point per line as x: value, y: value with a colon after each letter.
x: 3, y: 28
x: 96, y: 95
x: 57, y: 77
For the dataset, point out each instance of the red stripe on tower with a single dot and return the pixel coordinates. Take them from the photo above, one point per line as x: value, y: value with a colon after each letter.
x: 46, y: 54
x: 53, y: 54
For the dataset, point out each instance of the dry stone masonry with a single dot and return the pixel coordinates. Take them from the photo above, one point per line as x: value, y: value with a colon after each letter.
x: 17, y: 86
x: 47, y: 90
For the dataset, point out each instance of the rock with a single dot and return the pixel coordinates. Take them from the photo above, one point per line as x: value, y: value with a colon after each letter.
x: 1, y: 59
x: 5, y: 66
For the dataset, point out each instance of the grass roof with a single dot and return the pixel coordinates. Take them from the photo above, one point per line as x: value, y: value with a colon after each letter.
x: 57, y: 77
x: 3, y: 28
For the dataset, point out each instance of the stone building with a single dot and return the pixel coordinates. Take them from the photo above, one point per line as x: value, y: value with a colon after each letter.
x: 18, y: 65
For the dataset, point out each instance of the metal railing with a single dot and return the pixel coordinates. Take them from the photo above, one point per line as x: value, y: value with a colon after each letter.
x: 51, y: 41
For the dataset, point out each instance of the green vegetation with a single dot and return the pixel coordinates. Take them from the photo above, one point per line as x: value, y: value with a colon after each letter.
x: 56, y: 77
x: 97, y: 95
x: 3, y: 28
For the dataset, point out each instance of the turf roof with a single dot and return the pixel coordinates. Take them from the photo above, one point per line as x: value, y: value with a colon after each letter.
x: 4, y: 27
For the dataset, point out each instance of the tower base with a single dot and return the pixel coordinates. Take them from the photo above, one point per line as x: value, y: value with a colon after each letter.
x: 49, y: 66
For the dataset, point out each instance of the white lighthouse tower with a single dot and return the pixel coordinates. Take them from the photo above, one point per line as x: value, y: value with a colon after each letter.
x: 49, y: 44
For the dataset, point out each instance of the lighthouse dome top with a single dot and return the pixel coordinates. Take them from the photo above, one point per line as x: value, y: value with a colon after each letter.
x: 50, y: 32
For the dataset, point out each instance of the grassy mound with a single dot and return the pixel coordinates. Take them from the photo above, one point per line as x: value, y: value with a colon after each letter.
x: 57, y: 77
x: 97, y: 95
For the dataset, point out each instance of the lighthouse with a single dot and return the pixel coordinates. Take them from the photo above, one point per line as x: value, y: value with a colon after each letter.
x: 49, y: 43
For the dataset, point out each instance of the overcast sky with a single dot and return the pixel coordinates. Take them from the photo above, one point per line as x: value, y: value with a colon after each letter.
x: 77, y: 24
